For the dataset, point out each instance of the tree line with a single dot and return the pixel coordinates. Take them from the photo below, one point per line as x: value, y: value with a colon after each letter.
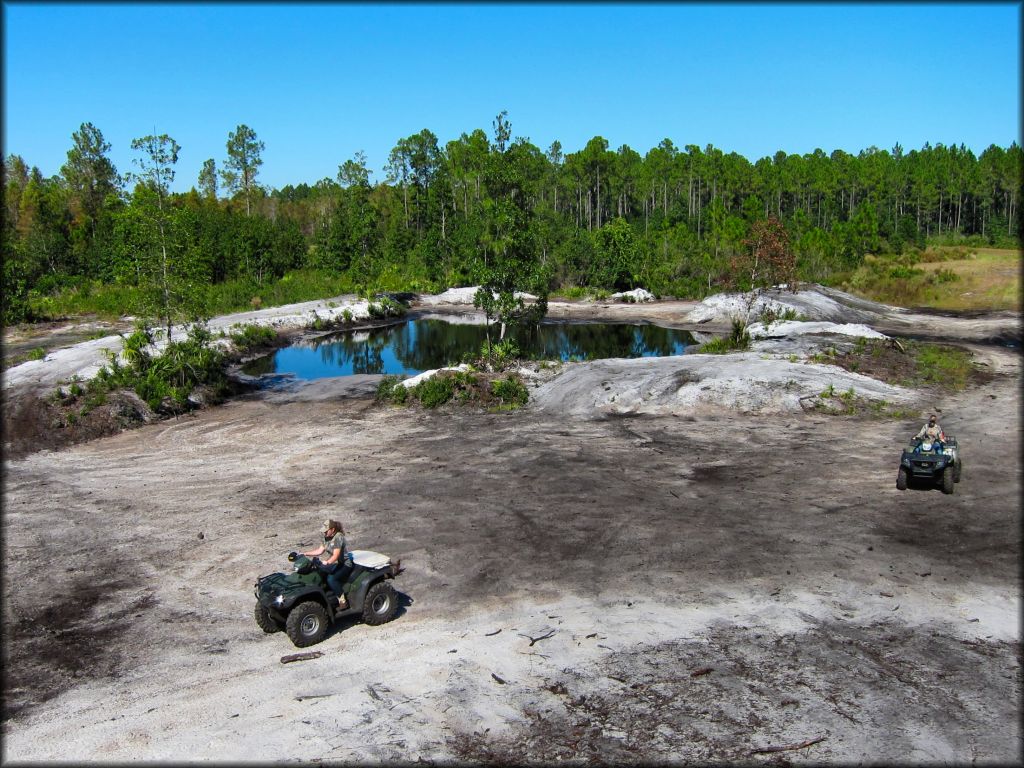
x: 486, y: 209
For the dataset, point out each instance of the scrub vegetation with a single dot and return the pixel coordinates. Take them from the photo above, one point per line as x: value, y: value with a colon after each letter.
x: 487, y: 390
x: 909, y: 363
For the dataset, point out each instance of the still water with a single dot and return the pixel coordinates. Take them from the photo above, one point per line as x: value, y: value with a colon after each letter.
x: 421, y: 345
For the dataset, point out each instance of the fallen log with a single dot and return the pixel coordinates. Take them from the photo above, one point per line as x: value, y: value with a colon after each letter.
x: 301, y: 657
x: 786, y: 747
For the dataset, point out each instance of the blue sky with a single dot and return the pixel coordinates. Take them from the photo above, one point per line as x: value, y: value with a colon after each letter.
x: 320, y: 82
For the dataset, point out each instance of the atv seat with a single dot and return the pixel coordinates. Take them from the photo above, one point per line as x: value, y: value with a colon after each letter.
x: 368, y: 559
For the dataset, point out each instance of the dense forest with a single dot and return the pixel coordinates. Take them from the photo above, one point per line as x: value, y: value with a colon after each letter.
x: 482, y: 209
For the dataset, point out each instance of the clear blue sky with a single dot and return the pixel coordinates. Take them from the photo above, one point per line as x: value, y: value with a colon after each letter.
x: 320, y: 82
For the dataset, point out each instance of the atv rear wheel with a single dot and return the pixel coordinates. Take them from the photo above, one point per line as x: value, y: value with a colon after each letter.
x: 947, y: 480
x: 381, y: 604
x: 307, y: 624
x: 901, y: 479
x: 264, y: 620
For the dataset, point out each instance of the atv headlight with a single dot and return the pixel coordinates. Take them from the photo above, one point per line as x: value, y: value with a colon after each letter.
x: 940, y: 462
x: 279, y: 600
x: 906, y: 462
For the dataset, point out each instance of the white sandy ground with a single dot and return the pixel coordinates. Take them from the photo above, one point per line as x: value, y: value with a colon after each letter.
x: 745, y: 382
x: 814, y: 303
x: 398, y: 692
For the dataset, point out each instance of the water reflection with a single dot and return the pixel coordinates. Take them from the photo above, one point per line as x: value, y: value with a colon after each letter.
x: 419, y: 345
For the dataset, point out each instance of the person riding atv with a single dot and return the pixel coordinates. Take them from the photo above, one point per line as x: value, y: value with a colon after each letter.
x: 334, y: 562
x: 932, y: 458
x: 932, y: 433
x: 302, y: 604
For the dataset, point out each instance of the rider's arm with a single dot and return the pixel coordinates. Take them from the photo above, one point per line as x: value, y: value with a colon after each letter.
x: 315, y: 552
x: 333, y: 558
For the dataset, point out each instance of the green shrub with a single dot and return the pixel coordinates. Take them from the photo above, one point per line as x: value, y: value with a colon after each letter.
x: 769, y: 315
x: 251, y: 335
x: 172, y: 375
x: 386, y: 307
x: 510, y: 391
x: 391, y: 390
x: 37, y: 354
x: 465, y: 385
x: 435, y: 391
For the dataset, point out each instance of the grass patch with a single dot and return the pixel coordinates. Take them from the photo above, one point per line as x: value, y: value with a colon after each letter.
x: 581, y: 292
x: 954, y: 278
x: 251, y: 336
x: 737, y: 341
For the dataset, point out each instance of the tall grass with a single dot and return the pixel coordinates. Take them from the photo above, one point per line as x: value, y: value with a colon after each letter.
x: 951, y: 278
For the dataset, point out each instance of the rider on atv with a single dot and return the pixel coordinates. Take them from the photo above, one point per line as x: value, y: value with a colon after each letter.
x: 931, y: 433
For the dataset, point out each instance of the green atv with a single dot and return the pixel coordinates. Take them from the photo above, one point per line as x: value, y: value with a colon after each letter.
x: 301, y: 603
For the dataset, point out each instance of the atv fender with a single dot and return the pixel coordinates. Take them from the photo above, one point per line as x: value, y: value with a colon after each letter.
x: 296, y: 596
x: 358, y: 589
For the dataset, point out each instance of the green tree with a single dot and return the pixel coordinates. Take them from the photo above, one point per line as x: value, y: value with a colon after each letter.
x: 168, y: 291
x: 243, y: 163
x: 619, y: 259
x: 510, y: 264
x: 208, y: 179
x: 91, y: 177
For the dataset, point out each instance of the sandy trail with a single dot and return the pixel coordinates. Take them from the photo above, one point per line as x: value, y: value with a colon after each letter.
x: 702, y: 595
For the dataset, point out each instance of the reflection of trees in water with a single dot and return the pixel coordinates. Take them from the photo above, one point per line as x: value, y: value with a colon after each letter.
x: 425, y: 344
x: 363, y: 355
x: 421, y: 345
x: 259, y: 366
x: 595, y: 341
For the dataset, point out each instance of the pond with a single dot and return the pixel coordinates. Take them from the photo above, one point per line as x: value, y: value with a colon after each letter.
x: 420, y: 345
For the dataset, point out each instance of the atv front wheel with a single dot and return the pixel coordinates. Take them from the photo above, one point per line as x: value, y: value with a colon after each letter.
x: 956, y: 472
x: 381, y: 604
x: 901, y: 479
x: 264, y: 620
x: 947, y: 480
x: 307, y: 624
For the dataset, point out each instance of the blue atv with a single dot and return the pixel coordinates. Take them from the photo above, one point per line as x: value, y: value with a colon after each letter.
x: 926, y: 463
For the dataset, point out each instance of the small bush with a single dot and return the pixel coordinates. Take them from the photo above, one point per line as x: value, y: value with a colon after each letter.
x: 250, y: 336
x: 737, y: 340
x: 435, y: 391
x: 510, y: 391
x: 37, y: 354
x: 391, y: 390
x: 386, y: 307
